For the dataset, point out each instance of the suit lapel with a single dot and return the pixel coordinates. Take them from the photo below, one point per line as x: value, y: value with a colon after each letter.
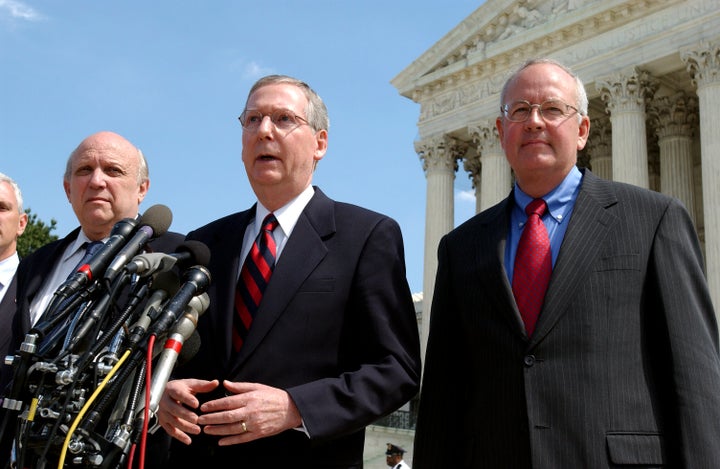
x: 41, y: 266
x: 589, y: 225
x: 225, y: 265
x: 7, y: 305
x: 489, y: 252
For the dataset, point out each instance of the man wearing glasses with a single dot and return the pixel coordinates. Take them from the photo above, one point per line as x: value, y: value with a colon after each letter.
x: 311, y: 333
x: 577, y: 310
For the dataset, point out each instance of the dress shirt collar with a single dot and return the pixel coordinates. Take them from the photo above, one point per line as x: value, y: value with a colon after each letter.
x: 287, y: 215
x: 560, y: 200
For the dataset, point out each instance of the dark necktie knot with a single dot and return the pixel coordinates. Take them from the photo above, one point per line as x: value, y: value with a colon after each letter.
x: 91, y: 248
x: 269, y: 223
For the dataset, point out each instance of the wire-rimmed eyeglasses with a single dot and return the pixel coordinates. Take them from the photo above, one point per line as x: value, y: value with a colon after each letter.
x: 552, y: 110
x: 283, y: 119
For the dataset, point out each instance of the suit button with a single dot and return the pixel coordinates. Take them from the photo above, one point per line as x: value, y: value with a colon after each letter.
x: 529, y: 360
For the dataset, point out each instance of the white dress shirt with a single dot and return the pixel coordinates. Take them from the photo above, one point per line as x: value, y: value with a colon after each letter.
x: 74, y: 252
x: 8, y: 266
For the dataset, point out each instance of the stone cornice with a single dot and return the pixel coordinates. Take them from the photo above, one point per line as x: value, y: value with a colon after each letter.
x: 476, y: 68
x: 503, y: 32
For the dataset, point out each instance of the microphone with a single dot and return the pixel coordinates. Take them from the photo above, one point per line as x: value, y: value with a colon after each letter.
x: 190, y: 348
x: 97, y: 264
x: 174, y: 348
x: 163, y: 285
x: 197, y: 280
x: 189, y: 253
x: 155, y: 222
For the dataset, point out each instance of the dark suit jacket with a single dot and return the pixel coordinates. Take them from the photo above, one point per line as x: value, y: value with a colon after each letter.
x: 30, y: 275
x: 623, y: 366
x: 7, y: 311
x: 34, y: 268
x: 336, y: 329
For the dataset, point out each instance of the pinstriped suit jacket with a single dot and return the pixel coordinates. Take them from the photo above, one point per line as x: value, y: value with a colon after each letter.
x: 623, y: 367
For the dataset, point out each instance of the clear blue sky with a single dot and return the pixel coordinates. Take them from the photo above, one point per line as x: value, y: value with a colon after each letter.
x: 172, y: 77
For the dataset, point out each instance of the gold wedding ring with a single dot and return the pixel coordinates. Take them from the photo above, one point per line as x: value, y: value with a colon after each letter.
x: 244, y: 427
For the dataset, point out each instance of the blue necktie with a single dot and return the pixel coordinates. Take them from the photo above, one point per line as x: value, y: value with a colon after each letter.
x: 91, y: 249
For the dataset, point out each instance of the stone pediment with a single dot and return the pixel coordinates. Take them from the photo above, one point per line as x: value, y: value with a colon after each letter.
x: 502, y: 33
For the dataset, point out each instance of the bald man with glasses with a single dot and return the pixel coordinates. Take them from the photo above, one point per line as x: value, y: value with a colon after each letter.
x: 576, y: 310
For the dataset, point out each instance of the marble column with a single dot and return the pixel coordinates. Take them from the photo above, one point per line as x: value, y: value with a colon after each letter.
x: 674, y: 118
x: 703, y: 64
x: 625, y: 95
x: 496, y: 177
x: 473, y: 166
x: 439, y: 156
x: 599, y: 147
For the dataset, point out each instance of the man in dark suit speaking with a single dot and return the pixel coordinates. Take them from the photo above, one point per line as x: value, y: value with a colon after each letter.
x: 571, y: 323
x: 311, y: 334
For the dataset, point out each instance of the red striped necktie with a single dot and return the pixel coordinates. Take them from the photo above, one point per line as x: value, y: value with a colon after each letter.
x: 254, y: 277
x: 533, y: 265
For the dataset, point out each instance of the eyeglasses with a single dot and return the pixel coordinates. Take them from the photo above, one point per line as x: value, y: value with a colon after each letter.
x: 552, y: 110
x: 283, y: 119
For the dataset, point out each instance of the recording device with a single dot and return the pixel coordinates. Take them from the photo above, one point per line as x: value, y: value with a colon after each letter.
x: 155, y: 222
x: 197, y: 280
x: 189, y: 253
x: 61, y: 401
x: 97, y: 264
x: 176, y: 345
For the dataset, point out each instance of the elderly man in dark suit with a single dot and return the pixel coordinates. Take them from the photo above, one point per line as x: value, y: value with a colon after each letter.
x: 106, y: 180
x: 603, y: 354
x: 293, y: 379
x: 13, y: 221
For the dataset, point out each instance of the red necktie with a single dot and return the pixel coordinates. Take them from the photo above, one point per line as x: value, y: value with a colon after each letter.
x: 533, y: 265
x: 254, y: 277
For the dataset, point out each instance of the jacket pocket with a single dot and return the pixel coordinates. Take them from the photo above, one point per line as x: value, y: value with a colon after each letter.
x: 618, y: 262
x: 317, y: 285
x: 636, y: 448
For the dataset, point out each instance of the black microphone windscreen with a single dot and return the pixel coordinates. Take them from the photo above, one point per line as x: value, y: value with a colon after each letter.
x: 198, y: 250
x: 159, y: 218
x: 190, y: 347
x: 168, y: 281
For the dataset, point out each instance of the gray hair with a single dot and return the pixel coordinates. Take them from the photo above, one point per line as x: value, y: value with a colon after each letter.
x: 316, y: 112
x: 582, y: 99
x: 16, y: 189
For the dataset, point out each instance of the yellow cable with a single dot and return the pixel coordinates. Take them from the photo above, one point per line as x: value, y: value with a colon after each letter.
x: 85, y: 408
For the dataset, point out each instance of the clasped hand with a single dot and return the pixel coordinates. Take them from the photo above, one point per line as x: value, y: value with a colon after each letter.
x: 249, y: 411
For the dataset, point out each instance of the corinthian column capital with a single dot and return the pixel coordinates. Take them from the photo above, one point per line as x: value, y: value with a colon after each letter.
x: 440, y: 153
x: 627, y: 90
x: 703, y: 63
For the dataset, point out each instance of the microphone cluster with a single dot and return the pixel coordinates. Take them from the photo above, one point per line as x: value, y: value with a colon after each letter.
x: 89, y: 375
